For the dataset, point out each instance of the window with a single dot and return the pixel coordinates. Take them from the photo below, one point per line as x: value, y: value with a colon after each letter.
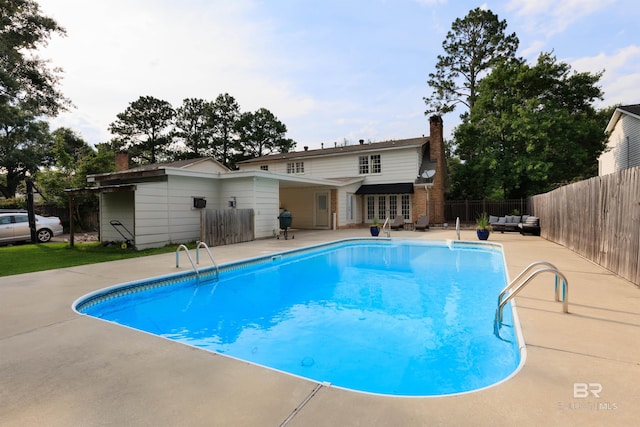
x: 264, y: 167
x: 371, y: 208
x: 21, y: 218
x: 376, y: 164
x: 406, y: 206
x: 363, y: 165
x: 382, y: 207
x: 385, y: 206
x: 297, y: 167
x: 393, y: 206
x: 369, y: 164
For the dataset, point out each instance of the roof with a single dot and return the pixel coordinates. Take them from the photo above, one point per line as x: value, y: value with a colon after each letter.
x: 630, y: 110
x: 155, y: 169
x: 338, y: 150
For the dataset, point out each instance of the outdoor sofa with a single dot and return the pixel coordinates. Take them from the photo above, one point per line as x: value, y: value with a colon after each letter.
x: 523, y: 224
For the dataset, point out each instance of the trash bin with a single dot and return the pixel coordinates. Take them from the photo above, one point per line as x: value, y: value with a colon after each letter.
x: 285, y: 222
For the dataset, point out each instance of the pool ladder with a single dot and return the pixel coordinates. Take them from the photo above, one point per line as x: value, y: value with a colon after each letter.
x: 517, y: 284
x: 197, y: 262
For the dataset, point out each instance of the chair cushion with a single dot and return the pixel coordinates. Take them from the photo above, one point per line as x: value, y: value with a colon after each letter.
x: 493, y: 219
x: 532, y: 220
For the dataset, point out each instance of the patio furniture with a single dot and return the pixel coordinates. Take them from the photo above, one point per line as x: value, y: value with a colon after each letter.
x: 397, y: 223
x: 531, y: 224
x: 505, y: 223
x: 422, y: 223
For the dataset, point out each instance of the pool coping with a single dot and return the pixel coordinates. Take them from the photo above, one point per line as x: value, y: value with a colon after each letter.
x: 59, y: 368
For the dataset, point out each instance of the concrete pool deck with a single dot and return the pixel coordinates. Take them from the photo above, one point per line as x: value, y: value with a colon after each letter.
x: 59, y: 368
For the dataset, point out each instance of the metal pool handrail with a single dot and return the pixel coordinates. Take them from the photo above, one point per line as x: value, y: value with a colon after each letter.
x: 521, y: 285
x: 186, y: 250
x: 204, y: 245
x: 526, y: 270
x: 386, y: 221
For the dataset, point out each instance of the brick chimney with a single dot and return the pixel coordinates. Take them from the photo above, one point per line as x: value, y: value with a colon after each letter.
x: 122, y: 161
x: 436, y: 152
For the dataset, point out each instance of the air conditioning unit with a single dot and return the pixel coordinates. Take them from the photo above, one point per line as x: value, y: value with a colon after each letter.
x: 199, y: 203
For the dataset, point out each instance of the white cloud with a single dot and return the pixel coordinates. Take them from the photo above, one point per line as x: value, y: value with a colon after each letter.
x: 532, y: 51
x: 621, y: 78
x: 550, y: 17
x: 116, y: 51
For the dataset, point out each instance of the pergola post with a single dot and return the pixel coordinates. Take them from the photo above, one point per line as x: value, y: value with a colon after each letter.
x: 71, y: 225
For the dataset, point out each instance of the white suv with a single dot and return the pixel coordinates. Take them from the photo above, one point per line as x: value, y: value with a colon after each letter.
x: 14, y: 227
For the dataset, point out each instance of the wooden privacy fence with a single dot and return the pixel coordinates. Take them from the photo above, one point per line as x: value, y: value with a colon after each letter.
x: 226, y: 226
x: 598, y: 218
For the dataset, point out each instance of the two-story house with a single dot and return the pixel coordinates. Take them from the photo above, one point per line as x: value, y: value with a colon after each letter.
x: 332, y: 187
x: 371, y: 181
x: 623, y: 146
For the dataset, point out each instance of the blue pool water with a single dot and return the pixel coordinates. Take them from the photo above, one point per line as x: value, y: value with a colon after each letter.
x: 400, y: 318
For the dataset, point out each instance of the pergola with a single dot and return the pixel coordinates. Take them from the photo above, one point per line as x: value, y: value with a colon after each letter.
x: 73, y: 192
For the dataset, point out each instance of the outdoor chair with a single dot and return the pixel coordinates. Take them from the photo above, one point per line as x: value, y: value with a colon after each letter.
x: 530, y: 225
x: 398, y: 223
x: 422, y: 223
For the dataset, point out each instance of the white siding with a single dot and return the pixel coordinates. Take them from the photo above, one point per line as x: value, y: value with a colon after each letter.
x: 259, y: 194
x: 627, y: 151
x: 165, y: 212
x: 398, y: 165
x: 623, y: 147
x: 184, y: 219
x: 152, y: 214
x: 210, y: 166
x: 266, y: 207
x: 342, y: 205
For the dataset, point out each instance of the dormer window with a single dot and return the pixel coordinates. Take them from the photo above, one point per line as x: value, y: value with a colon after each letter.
x: 264, y: 167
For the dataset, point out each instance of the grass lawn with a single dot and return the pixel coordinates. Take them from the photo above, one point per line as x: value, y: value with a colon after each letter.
x: 48, y: 256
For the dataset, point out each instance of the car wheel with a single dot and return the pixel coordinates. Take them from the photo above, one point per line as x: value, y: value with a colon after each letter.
x: 44, y: 235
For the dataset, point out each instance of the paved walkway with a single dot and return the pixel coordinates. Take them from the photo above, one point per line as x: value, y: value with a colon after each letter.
x: 58, y: 368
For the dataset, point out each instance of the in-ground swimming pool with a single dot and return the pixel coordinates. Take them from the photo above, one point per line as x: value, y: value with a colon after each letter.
x: 390, y: 317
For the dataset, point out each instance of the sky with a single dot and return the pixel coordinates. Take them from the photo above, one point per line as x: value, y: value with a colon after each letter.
x: 331, y: 70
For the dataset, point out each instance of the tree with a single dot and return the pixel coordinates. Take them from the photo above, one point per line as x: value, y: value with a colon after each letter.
x: 25, y: 79
x: 74, y: 160
x: 262, y: 133
x: 225, y: 114
x: 68, y: 150
x: 474, y: 45
x: 531, y: 129
x: 28, y: 91
x: 25, y: 145
x: 144, y: 129
x: 194, y: 127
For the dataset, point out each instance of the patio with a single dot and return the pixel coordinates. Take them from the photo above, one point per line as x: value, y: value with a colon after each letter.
x: 58, y: 368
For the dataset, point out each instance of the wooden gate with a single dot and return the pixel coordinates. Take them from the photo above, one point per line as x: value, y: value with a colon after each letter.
x: 226, y: 226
